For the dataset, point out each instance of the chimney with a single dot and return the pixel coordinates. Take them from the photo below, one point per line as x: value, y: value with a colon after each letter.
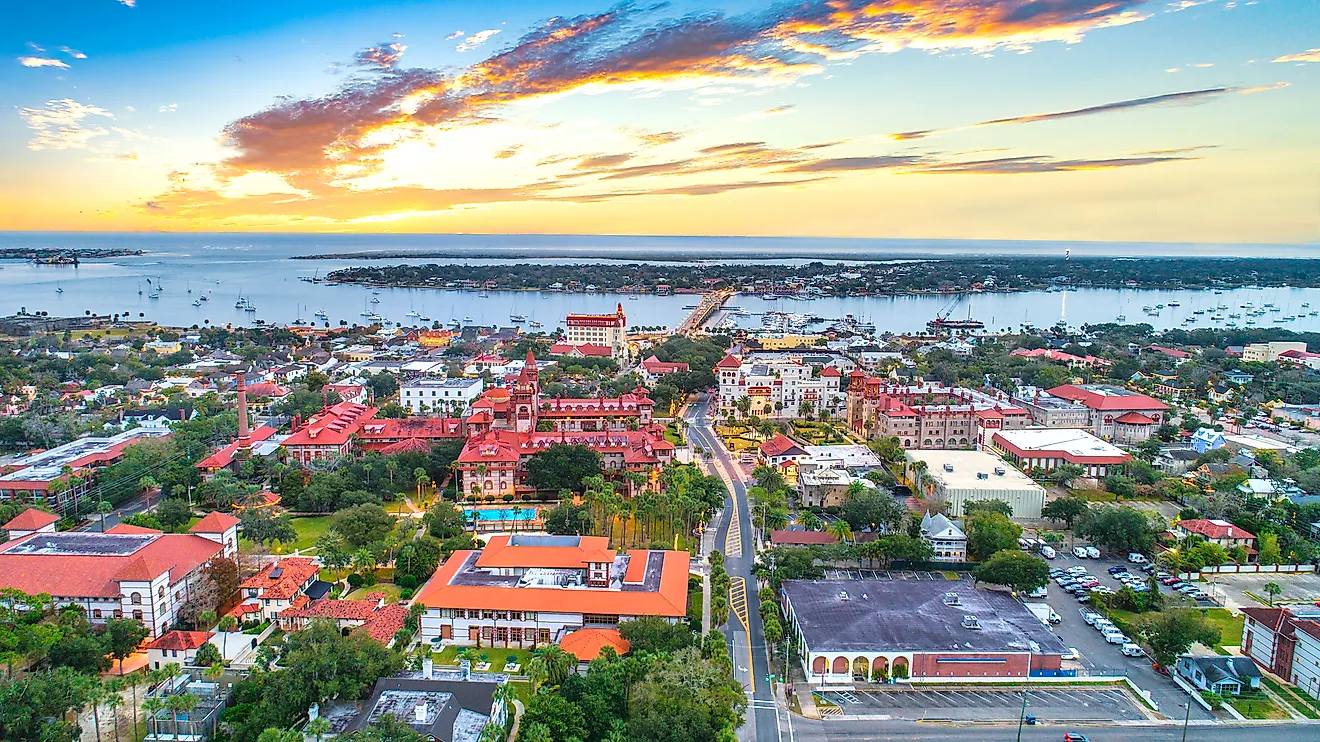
x: 428, y: 666
x: 419, y: 712
x: 244, y: 433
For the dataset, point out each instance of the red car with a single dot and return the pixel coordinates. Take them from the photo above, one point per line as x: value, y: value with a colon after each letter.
x: 1157, y: 667
x: 1074, y: 737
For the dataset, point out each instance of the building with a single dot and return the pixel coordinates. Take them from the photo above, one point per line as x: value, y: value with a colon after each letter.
x: 143, y: 574
x: 928, y: 416
x: 1058, y: 356
x: 1251, y: 443
x: 1216, y: 531
x: 1269, y: 352
x: 653, y: 369
x: 1049, y: 411
x: 1227, y: 676
x: 1207, y: 439
x: 848, y: 629
x: 438, y: 710
x: 396, y: 435
x: 588, y: 644
x: 443, y: 396
x: 958, y: 477
x: 59, y: 477
x: 329, y: 434
x: 1285, y: 641
x: 777, y: 384
x: 524, y: 590
x: 31, y: 521
x: 275, y: 588
x: 947, y: 541
x: 609, y: 330
x: 519, y: 407
x: 1119, y: 415
x: 371, y: 616
x: 1179, y: 356
x: 585, y: 350
x: 1049, y: 448
x: 179, y: 647
x: 853, y: 457
x: 797, y: 537
x: 780, y: 449
x: 827, y: 488
x: 1175, y: 461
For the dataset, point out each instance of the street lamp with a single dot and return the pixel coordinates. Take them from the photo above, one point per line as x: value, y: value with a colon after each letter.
x: 1186, y: 718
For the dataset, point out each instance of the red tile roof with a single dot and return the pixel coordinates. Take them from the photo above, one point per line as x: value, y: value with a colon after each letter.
x: 127, y: 528
x: 79, y: 575
x: 225, y: 456
x: 780, y: 445
x: 214, y: 522
x: 586, y: 644
x: 1213, y: 528
x: 384, y: 431
x: 1097, y: 401
x: 654, y: 365
x: 830, y: 371
x: 339, y: 610
x: 1172, y: 352
x: 332, y: 427
x: 801, y: 537
x: 586, y: 349
x: 297, y: 571
x: 181, y: 640
x: 729, y: 361
x: 31, y: 520
x: 1134, y: 418
x: 500, y: 554
x: 385, y: 624
x: 267, y: 389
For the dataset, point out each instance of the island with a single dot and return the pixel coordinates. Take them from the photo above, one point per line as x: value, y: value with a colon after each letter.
x: 57, y: 256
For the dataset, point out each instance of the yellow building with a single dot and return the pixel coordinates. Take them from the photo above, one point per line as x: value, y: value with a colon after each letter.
x: 435, y: 338
x: 784, y: 341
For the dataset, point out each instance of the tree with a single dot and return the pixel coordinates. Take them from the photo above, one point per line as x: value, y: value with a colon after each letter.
x: 988, y: 533
x: 443, y: 520
x: 262, y: 527
x: 36, y: 707
x: 173, y: 513
x: 1016, y: 569
x: 317, y: 727
x: 1065, y: 473
x: 1120, y: 529
x: 208, y: 654
x: 873, y: 507
x: 557, y: 663
x: 122, y: 637
x: 363, y: 524
x: 1067, y: 509
x: 563, y: 466
x: 1172, y: 632
x: 840, y: 530
x: 567, y: 519
x: 987, y: 506
x: 655, y: 635
x: 1273, y: 590
x: 550, y: 716
x: 1269, y: 548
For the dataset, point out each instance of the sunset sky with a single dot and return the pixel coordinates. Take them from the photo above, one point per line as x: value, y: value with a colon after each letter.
x: 1188, y: 121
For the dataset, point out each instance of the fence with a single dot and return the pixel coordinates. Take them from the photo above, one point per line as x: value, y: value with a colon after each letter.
x: 1247, y: 569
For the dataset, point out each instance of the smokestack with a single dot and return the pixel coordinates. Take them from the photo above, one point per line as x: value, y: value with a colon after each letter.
x: 244, y: 433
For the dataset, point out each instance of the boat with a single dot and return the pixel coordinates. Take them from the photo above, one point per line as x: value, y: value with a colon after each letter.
x: 414, y: 313
x: 1306, y: 304
x: 154, y: 294
x: 517, y: 318
x: 468, y: 320
x: 1174, y: 304
x: 534, y: 323
x: 454, y: 322
x: 197, y: 302
x: 424, y: 319
x: 483, y: 295
x: 375, y: 300
x: 250, y: 308
x: 59, y: 289
x: 322, y: 314
x: 1121, y: 318
x: 204, y: 297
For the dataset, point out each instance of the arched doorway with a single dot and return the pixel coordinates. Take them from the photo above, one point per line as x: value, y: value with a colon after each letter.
x: 818, y: 665
x: 840, y: 666
x: 879, y: 668
x: 900, y: 667
x: 861, y: 668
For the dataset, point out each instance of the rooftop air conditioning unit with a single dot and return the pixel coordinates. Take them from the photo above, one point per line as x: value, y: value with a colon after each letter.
x: 948, y: 467
x: 952, y: 599
x: 1000, y: 471
x: 970, y: 622
x: 982, y: 475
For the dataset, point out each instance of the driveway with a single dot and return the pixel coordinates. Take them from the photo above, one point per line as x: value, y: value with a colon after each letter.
x: 990, y: 704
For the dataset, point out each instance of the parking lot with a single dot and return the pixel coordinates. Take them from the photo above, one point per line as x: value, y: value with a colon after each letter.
x: 1096, y: 653
x: 889, y: 574
x: 1047, y: 704
x: 1297, y: 588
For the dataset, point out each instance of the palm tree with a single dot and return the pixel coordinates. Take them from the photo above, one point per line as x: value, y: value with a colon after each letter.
x: 96, y: 695
x: 536, y: 672
x: 206, y: 619
x: 1272, y: 589
x: 840, y: 530
x: 104, y: 508
x: 151, y: 706
x: 390, y: 467
x: 367, y: 469
x: 182, y: 703
x: 810, y: 521
x: 113, y: 701
x: 492, y: 732
x: 214, y: 672
x: 317, y: 727
x: 558, y: 663
x: 226, y: 625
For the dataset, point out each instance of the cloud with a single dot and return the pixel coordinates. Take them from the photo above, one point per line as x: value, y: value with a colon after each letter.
x: 1310, y: 55
x: 476, y: 40
x: 1182, y: 5
x: 42, y: 62
x: 598, y: 162
x: 776, y: 111
x: 651, y: 138
x: 1039, y: 164
x: 903, y: 136
x: 507, y: 152
x: 850, y: 164
x: 1263, y: 88
x: 325, y: 145
x: 129, y: 3
x: 169, y: 108
x: 73, y: 52
x: 61, y: 125
x: 381, y: 55
x: 453, y: 36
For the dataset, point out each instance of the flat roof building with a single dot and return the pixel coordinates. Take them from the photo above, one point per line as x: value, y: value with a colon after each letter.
x: 959, y: 477
x: 851, y: 629
x: 1049, y: 448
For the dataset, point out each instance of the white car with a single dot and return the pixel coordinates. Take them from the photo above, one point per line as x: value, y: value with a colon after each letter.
x: 1080, y: 552
x: 1092, y: 552
x: 1077, y: 570
x: 1089, y: 616
x: 1071, y: 654
x: 1133, y: 650
x: 1048, y: 552
x: 1039, y: 592
x: 1116, y: 637
x: 1137, y: 558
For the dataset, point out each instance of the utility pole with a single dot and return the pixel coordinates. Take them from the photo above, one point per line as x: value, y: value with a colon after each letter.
x: 1022, y: 715
x: 1186, y: 718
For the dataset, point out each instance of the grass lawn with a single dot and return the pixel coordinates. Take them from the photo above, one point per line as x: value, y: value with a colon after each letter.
x: 1257, y: 707
x: 497, y: 656
x: 310, y: 530
x: 390, y: 589
x: 522, y: 692
x: 1230, y: 625
x: 1303, y: 704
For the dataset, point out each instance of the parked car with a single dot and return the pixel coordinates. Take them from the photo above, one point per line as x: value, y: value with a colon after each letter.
x: 1071, y: 654
x: 1080, y: 552
x: 1092, y: 552
x: 1039, y: 592
x: 1117, y: 637
x: 1136, y: 558
x: 1117, y: 570
x: 1075, y: 737
x: 1055, y: 572
x: 1048, y: 552
x: 1133, y: 650
x: 1088, y: 615
x: 1077, y: 569
x: 1169, y: 580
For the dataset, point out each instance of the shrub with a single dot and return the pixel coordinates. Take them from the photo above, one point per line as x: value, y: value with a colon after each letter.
x: 900, y: 672
x: 405, y: 594
x: 355, y: 580
x: 1213, y: 699
x: 407, y: 582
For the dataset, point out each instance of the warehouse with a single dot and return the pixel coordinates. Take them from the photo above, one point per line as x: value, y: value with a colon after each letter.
x: 957, y: 477
x: 1048, y: 449
x: 850, y: 630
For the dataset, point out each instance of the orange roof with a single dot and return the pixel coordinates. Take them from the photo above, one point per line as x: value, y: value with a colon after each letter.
x: 99, y: 575
x: 31, y: 520
x: 669, y: 600
x: 214, y: 522
x: 294, y: 573
x: 181, y: 640
x: 332, y: 427
x: 499, y: 553
x: 225, y: 456
x: 729, y: 361
x: 127, y: 528
x: 585, y: 644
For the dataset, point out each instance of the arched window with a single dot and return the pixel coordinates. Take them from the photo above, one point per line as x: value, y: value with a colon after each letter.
x: 840, y: 665
x: 818, y: 665
x: 135, y: 598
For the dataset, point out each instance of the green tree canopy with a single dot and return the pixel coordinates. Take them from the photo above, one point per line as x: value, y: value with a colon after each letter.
x: 1016, y: 569
x: 563, y: 466
x: 989, y: 532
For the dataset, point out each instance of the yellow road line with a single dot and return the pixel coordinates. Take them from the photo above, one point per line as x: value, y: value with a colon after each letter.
x: 738, y: 608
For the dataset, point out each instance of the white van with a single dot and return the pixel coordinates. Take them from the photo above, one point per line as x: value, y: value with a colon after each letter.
x: 1092, y: 552
x: 1048, y: 552
x: 1137, y: 558
x: 1080, y: 552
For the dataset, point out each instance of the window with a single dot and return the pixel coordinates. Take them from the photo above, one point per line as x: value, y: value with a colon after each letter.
x: 135, y: 599
x: 96, y: 613
x: 137, y: 615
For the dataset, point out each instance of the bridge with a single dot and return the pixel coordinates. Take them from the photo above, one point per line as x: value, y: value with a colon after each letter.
x: 710, y: 304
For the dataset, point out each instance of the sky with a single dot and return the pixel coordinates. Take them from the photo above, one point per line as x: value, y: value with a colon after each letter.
x: 1110, y: 120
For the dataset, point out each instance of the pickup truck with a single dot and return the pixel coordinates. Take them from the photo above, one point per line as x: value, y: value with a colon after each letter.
x: 1045, y: 613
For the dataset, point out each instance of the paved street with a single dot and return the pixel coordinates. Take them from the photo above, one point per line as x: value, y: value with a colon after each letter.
x: 861, y: 731
x: 1045, y: 702
x: 734, y: 537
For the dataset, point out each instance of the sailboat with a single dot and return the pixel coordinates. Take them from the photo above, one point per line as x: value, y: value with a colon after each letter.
x: 322, y: 314
x: 514, y: 317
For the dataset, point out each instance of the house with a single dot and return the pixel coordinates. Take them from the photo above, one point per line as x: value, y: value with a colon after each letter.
x: 1269, y: 352
x: 524, y: 590
x: 31, y: 521
x: 442, y: 396
x: 1220, y: 393
x: 179, y: 647
x: 1174, y: 461
x: 1227, y: 676
x: 791, y: 537
x: 1285, y: 641
x: 1207, y: 439
x: 370, y: 616
x: 587, y: 644
x: 1257, y: 487
x: 825, y: 488
x: 1179, y: 356
x: 1171, y: 388
x: 585, y: 350
x: 947, y: 541
x: 1216, y: 531
x: 780, y: 449
x: 653, y: 368
x: 1238, y: 376
x: 275, y: 588
x: 438, y: 710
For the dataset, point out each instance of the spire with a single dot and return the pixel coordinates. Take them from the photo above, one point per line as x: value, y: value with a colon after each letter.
x: 244, y: 432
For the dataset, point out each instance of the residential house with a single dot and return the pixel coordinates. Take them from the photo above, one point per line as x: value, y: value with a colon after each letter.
x: 1207, y: 439
x: 947, y: 540
x: 1174, y: 461
x: 827, y: 488
x: 653, y: 369
x: 178, y: 647
x: 1216, y: 531
x: 780, y: 449
x: 1285, y: 641
x: 1220, y: 393
x: 1179, y: 356
x: 371, y: 616
x: 1238, y: 376
x: 275, y: 588
x: 1227, y: 676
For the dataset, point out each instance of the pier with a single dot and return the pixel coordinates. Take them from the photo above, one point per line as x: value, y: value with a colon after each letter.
x: 697, y: 318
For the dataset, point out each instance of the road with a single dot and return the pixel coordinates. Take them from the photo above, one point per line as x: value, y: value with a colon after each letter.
x: 131, y: 506
x: 734, y: 538
x: 859, y: 731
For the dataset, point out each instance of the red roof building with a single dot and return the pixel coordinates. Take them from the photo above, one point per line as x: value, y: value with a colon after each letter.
x: 370, y: 616
x: 653, y: 368
x: 275, y: 587
x: 226, y: 457
x: 1216, y: 531
x: 1110, y: 406
x: 1049, y: 354
x: 800, y: 538
x: 31, y: 521
x: 179, y: 647
x: 585, y: 350
x: 780, y: 449
x: 329, y: 434
x: 538, y: 589
x: 380, y: 433
x: 1286, y: 644
x: 587, y: 644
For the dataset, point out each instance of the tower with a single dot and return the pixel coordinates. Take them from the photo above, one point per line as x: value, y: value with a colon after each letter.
x: 526, y: 396
x: 244, y: 432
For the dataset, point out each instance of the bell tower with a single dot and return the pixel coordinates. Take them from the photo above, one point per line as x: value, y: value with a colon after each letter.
x: 526, y: 396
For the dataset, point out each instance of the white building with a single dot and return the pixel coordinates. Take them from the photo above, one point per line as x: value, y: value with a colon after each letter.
x: 609, y: 330
x: 777, y: 385
x: 1268, y: 352
x: 958, y: 477
x: 441, y: 396
x: 947, y: 541
x: 1047, y: 449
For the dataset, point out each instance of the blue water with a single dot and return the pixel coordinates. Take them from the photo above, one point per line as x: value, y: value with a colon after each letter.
x: 501, y: 514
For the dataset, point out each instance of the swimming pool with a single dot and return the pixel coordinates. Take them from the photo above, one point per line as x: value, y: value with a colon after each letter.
x: 500, y: 514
